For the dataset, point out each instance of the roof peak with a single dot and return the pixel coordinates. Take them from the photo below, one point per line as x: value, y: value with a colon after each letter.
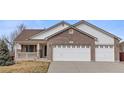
x: 61, y: 22
x: 73, y: 27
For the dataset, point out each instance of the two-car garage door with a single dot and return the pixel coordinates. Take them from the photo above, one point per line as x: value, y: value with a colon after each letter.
x: 71, y: 53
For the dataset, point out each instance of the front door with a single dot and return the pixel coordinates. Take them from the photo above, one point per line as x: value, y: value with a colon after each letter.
x: 43, y: 51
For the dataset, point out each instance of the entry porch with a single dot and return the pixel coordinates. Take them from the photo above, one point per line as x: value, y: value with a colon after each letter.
x: 31, y: 51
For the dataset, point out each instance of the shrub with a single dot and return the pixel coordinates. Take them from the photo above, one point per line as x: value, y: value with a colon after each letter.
x: 5, y: 59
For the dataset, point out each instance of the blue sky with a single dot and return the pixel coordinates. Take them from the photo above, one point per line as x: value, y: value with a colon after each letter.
x: 113, y: 26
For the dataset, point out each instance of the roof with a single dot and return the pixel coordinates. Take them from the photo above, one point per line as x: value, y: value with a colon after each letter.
x: 73, y: 27
x: 61, y: 22
x: 99, y: 29
x: 121, y: 42
x: 51, y: 27
x: 27, y: 33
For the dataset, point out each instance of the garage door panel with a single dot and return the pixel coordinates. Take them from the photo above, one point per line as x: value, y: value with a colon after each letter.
x: 71, y: 54
x: 105, y: 54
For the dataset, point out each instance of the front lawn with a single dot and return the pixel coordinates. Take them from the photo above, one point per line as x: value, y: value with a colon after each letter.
x: 26, y: 67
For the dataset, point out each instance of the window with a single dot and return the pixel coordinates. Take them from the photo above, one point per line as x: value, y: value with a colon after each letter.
x: 73, y: 46
x: 101, y: 46
x: 78, y: 46
x: 106, y: 46
x: 29, y: 48
x: 97, y: 46
x: 32, y: 48
x: 64, y: 46
x: 68, y: 46
x: 83, y: 46
x: 111, y: 46
x: 71, y: 42
x: 71, y: 31
x: 87, y: 46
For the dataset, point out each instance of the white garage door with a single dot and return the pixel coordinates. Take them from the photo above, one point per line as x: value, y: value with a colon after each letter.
x: 105, y: 53
x: 71, y: 53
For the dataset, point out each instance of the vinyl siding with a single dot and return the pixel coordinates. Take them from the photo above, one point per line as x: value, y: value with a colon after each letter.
x: 101, y: 37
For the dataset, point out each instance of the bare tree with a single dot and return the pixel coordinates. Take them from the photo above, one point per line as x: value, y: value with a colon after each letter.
x: 13, y: 36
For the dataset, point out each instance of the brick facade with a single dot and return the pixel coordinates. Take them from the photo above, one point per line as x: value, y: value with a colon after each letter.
x: 65, y: 37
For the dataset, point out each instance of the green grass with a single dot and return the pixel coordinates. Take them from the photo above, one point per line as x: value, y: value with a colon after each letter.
x: 26, y: 67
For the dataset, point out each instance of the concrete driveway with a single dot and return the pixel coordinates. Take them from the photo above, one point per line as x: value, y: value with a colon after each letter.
x: 86, y: 67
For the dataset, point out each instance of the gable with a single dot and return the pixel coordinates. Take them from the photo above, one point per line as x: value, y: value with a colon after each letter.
x: 74, y: 29
x: 102, y: 38
x: 77, y: 37
x: 97, y: 28
x: 54, y: 29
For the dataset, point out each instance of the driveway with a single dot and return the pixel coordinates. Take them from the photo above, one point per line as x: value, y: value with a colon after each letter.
x: 86, y: 67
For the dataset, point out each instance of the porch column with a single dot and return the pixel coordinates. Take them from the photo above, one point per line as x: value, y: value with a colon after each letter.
x: 17, y: 47
x: 38, y: 50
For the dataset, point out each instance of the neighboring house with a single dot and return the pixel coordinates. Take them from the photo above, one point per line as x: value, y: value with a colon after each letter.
x: 64, y: 42
x: 122, y: 51
x: 122, y: 46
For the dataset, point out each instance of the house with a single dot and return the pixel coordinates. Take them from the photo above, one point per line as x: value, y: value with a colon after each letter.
x: 82, y: 41
x: 121, y: 45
